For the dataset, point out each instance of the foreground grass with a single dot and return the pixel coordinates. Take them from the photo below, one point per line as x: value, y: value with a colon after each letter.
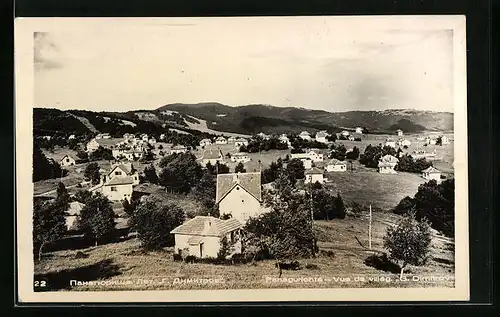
x: 125, y: 262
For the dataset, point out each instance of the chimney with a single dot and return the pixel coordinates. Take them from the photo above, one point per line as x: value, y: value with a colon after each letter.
x: 208, y: 224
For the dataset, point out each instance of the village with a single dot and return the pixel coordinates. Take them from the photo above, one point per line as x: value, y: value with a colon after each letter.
x: 240, y: 181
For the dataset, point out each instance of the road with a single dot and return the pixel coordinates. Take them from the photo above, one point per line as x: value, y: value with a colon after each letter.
x: 67, y: 187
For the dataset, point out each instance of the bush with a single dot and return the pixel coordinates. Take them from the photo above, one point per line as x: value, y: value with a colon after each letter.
x: 311, y: 266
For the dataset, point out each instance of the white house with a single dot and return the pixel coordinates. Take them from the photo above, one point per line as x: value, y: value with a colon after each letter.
x: 239, y: 195
x: 445, y: 140
x: 212, y: 156
x: 67, y: 161
x: 205, y: 142
x: 264, y: 136
x: 106, y: 143
x: 240, y: 157
x: 399, y: 132
x: 386, y: 164
x: 284, y: 138
x: 118, y: 183
x: 201, y: 236
x: 390, y: 142
x: 432, y: 173
x: 311, y: 154
x: 307, y: 162
x: 321, y: 137
x: 304, y: 135
x: 162, y: 137
x: 103, y: 136
x: 221, y: 140
x: 430, y: 141
x: 241, y: 141
x: 404, y: 142
x: 152, y: 141
x: 351, y: 138
x: 178, y: 149
x: 123, y: 169
x: 345, y: 133
x: 359, y: 130
x: 144, y: 137
x: 336, y: 166
x: 231, y: 139
x: 71, y: 137
x: 314, y: 175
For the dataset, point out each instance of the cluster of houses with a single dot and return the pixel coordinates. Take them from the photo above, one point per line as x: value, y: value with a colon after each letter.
x: 221, y: 140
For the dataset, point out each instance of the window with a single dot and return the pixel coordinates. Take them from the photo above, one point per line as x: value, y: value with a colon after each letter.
x: 114, y: 189
x: 237, y: 188
x: 118, y: 173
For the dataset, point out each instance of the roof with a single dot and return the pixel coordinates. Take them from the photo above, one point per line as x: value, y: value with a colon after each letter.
x: 212, y: 154
x: 67, y: 156
x: 206, y: 226
x: 314, y: 170
x: 178, y: 147
x: 251, y: 182
x: 126, y: 167
x: 431, y: 169
x: 240, y: 154
x: 241, y: 140
x: 321, y: 134
x: 388, y: 159
x: 205, y: 140
x: 336, y: 162
x: 220, y: 138
x: 304, y: 133
x: 120, y: 180
x: 74, y: 208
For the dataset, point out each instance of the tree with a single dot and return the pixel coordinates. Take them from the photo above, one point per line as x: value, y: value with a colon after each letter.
x: 148, y: 156
x: 226, y: 248
x: 49, y: 223
x: 353, y: 155
x: 408, y: 164
x: 150, y: 174
x: 408, y: 242
x: 222, y: 168
x: 82, y: 155
x: 44, y: 168
x: 372, y: 154
x: 101, y: 154
x: 153, y: 220
x: 339, y: 207
x: 130, y: 206
x: 205, y: 189
x: 62, y: 196
x: 404, y: 206
x: 82, y: 196
x: 295, y: 169
x: 92, y: 173
x: 439, y: 140
x: 271, y: 173
x: 180, y: 172
x: 338, y: 152
x: 97, y: 217
x: 240, y: 168
x: 332, y: 137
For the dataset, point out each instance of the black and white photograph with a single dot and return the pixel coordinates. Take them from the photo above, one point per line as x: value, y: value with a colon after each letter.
x: 251, y: 158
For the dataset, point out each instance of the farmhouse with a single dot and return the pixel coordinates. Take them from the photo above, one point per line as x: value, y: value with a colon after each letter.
x: 211, y: 156
x: 321, y: 137
x: 336, y: 166
x: 240, y: 142
x: 106, y: 143
x: 311, y: 155
x: 201, y: 236
x: 390, y: 142
x: 304, y: 135
x: 118, y: 183
x: 399, y: 132
x: 432, y: 173
x: 314, y: 175
x: 128, y: 136
x: 205, y: 142
x: 404, y: 142
x: 178, y: 149
x: 221, y: 140
x: 359, y: 130
x: 239, y: 195
x: 67, y: 161
x: 240, y: 157
x: 386, y: 164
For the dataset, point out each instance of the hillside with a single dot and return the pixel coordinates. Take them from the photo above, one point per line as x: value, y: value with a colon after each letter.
x: 269, y: 119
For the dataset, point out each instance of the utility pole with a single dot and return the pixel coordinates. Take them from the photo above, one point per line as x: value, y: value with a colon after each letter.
x: 370, y: 229
x: 312, y: 220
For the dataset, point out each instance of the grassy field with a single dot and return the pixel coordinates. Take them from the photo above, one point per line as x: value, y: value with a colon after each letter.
x: 125, y: 262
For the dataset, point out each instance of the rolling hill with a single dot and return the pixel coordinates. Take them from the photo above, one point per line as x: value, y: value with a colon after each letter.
x: 269, y: 119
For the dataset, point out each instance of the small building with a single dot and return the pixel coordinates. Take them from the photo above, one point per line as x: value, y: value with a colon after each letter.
x: 351, y: 138
x: 284, y: 139
x: 312, y: 155
x: 359, y: 130
x: 239, y: 195
x: 321, y: 136
x: 212, y: 156
x: 144, y: 137
x: 205, y: 142
x: 67, y: 161
x: 304, y: 135
x: 178, y: 149
x: 221, y: 140
x: 118, y: 183
x: 430, y: 141
x: 264, y: 136
x: 201, y: 236
x: 128, y: 136
x: 231, y: 139
x: 240, y: 142
x: 106, y: 143
x: 387, y: 163
x: 445, y: 140
x: 314, y: 175
x: 307, y: 162
x: 345, y: 133
x: 102, y: 136
x: 240, y: 157
x: 390, y: 142
x: 152, y: 141
x: 123, y: 169
x: 71, y: 137
x: 335, y: 165
x: 432, y: 173
x: 399, y: 132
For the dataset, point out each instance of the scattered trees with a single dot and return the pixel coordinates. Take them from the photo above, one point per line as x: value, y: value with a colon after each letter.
x: 150, y: 174
x: 44, y: 168
x: 372, y: 154
x: 257, y: 144
x: 49, y: 223
x: 408, y: 164
x: 353, y: 155
x: 271, y: 173
x: 205, y: 189
x: 180, y: 172
x: 295, y: 170
x: 226, y: 249
x: 325, y: 205
x: 101, y: 154
x: 338, y: 152
x: 153, y: 220
x: 409, y: 241
x: 82, y: 155
x: 240, y: 168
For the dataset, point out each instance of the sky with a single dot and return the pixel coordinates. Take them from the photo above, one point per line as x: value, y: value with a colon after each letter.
x: 322, y: 63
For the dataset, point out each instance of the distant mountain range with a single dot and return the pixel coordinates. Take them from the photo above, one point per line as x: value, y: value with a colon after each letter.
x: 215, y: 118
x: 268, y: 119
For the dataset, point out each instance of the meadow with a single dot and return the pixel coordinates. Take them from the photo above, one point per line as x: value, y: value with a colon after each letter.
x: 349, y: 266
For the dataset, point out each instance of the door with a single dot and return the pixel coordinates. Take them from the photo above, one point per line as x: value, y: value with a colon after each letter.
x: 201, y: 250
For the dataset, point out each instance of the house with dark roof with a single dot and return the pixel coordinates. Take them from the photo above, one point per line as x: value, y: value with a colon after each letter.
x: 67, y: 161
x: 201, y: 236
x: 239, y: 195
